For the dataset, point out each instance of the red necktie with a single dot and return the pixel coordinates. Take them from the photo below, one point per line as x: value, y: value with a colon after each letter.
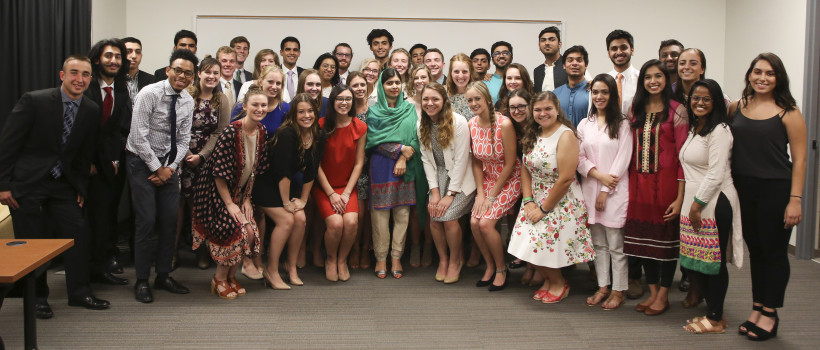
x: 108, y: 104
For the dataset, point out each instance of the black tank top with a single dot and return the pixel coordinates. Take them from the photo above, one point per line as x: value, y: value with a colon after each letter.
x: 760, y: 147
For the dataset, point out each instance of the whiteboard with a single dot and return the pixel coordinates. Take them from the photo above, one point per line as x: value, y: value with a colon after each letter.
x: 318, y: 35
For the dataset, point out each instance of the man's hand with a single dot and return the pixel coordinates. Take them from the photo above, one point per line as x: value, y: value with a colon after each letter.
x: 7, y: 199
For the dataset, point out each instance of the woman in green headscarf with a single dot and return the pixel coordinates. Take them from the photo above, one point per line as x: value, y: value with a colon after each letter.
x: 396, y: 172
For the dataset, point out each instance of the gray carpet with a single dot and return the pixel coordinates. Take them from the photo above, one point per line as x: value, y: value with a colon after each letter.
x: 414, y: 312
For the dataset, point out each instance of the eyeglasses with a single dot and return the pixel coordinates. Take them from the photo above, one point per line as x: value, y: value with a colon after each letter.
x: 704, y: 99
x: 180, y: 71
x: 328, y: 66
x: 501, y: 53
x: 371, y: 71
x: 348, y: 55
x: 519, y: 108
x: 344, y: 99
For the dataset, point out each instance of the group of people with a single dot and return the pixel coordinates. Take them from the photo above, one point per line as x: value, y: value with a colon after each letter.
x: 629, y: 171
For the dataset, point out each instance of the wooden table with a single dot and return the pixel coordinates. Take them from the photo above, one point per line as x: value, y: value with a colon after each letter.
x: 21, y: 261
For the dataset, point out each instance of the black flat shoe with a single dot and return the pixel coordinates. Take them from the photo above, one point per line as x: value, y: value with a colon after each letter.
x: 108, y: 278
x: 42, y: 310
x: 494, y: 288
x: 114, y: 266
x: 516, y: 264
x: 142, y: 292
x: 90, y: 302
x: 169, y: 284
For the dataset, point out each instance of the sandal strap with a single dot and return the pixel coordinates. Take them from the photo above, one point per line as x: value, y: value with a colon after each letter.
x: 772, y: 314
x: 757, y: 307
x: 504, y: 270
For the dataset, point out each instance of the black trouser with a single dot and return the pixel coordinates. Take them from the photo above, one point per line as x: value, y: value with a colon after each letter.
x: 635, y: 271
x: 714, y: 287
x: 102, y: 207
x: 659, y: 270
x: 55, y: 201
x: 155, y: 214
x: 763, y: 203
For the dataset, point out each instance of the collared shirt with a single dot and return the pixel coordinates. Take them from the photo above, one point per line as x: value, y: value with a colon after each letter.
x: 343, y: 77
x: 295, y: 79
x: 133, y: 87
x: 66, y: 98
x: 629, y: 85
x: 494, y: 85
x: 549, y: 77
x: 239, y: 74
x: 574, y: 101
x: 442, y: 79
x: 103, y: 85
x: 150, y: 136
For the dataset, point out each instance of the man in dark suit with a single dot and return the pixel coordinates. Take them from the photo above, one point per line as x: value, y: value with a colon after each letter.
x: 227, y: 84
x: 48, y: 143
x: 183, y: 40
x: 109, y: 90
x: 242, y: 47
x: 290, y: 49
x: 549, y: 42
x: 136, y: 79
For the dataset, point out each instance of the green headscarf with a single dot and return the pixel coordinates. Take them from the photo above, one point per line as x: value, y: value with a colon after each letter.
x: 398, y: 125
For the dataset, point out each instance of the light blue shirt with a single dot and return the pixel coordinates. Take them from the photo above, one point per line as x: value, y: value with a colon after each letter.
x: 494, y: 85
x: 574, y: 101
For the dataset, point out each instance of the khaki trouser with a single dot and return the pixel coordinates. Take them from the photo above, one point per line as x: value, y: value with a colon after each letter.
x: 381, y: 231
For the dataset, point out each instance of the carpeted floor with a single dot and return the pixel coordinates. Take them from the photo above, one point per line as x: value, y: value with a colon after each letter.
x: 414, y: 312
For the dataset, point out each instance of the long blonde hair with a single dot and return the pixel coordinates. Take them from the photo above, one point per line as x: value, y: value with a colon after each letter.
x: 460, y: 57
x: 410, y: 87
x: 267, y: 70
x: 445, y: 120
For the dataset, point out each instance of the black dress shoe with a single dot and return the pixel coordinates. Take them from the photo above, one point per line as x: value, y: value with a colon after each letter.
x: 114, y: 266
x: 515, y: 264
x: 108, y: 278
x: 142, y: 292
x: 43, y: 310
x: 90, y: 302
x: 170, y: 285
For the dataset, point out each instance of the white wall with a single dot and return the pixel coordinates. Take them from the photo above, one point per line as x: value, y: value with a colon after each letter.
x: 107, y: 19
x: 586, y: 22
x: 755, y: 26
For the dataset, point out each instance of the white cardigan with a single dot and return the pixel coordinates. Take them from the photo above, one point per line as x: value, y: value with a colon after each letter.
x: 457, y: 160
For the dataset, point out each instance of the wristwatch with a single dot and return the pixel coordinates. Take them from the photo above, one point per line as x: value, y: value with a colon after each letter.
x: 451, y: 193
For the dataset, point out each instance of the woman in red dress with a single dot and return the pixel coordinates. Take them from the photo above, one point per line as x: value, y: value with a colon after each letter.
x: 336, y: 196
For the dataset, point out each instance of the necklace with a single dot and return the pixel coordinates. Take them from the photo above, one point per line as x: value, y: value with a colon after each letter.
x: 305, y: 144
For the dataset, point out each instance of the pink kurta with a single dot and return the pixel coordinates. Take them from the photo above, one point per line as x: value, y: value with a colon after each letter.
x: 609, y: 157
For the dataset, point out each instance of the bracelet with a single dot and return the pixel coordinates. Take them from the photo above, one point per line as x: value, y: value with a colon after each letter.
x: 330, y: 194
x: 492, y: 199
x: 543, y: 211
x: 527, y: 199
x: 346, y: 195
x: 792, y: 195
x: 527, y: 202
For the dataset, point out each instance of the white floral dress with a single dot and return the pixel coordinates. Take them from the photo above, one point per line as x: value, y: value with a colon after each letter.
x: 562, y: 237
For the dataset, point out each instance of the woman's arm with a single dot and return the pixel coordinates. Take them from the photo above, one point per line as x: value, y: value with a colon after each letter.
x: 620, y: 165
x: 567, y: 156
x: 224, y: 119
x: 796, y: 131
x: 225, y: 194
x: 461, y: 155
x: 720, y: 149
x: 508, y: 140
x: 358, y: 167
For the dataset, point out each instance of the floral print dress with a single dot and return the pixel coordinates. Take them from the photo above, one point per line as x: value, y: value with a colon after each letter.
x: 562, y: 237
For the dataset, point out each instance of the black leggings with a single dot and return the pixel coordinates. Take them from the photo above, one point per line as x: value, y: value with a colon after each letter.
x: 762, y: 203
x: 714, y: 286
x: 659, y: 270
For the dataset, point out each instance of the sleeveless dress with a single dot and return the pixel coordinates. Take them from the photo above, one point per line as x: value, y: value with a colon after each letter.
x: 562, y: 237
x: 489, y: 149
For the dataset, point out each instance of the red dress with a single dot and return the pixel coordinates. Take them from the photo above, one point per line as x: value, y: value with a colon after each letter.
x: 653, y: 185
x: 337, y: 163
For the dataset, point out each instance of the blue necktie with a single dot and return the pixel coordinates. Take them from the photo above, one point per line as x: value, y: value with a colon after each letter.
x: 68, y: 123
x: 172, y: 116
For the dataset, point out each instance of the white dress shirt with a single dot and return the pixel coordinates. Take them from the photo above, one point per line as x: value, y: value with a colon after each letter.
x: 629, y: 85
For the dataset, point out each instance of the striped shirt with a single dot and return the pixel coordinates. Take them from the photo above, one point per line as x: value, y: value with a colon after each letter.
x: 150, y: 136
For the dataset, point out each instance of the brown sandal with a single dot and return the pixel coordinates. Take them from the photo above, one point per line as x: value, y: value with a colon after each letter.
x: 240, y: 291
x: 597, y: 298
x: 614, y: 296
x: 222, y: 288
x: 704, y: 326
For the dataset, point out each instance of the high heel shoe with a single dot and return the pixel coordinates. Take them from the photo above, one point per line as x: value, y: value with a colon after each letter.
x: 451, y: 280
x: 743, y: 328
x: 222, y: 288
x: 506, y: 273
x: 267, y: 282
x: 552, y: 299
x: 240, y: 291
x: 761, y: 334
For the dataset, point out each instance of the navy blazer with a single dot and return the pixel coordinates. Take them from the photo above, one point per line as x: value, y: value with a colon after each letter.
x: 559, y: 74
x: 31, y: 142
